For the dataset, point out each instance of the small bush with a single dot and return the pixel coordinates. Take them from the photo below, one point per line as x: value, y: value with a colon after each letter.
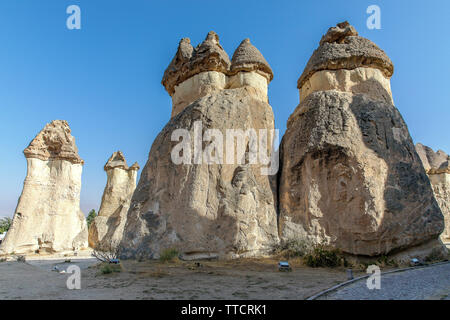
x: 168, y: 255
x: 294, y: 248
x: 320, y: 256
x: 5, y: 224
x: 109, y: 268
x: 384, y: 261
x: 107, y: 251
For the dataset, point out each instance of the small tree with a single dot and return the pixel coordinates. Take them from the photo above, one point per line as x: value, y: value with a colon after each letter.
x: 5, y: 224
x: 92, y: 214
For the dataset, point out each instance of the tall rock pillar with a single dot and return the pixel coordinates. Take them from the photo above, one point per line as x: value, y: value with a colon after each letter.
x: 48, y: 218
x: 206, y: 205
x: 107, y: 227
x: 437, y: 166
x: 350, y: 175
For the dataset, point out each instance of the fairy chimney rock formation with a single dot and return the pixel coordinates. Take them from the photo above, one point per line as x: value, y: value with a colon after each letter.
x: 207, y: 206
x: 107, y: 228
x: 350, y: 175
x: 48, y: 218
x: 437, y: 166
x: 194, y: 73
x: 347, y: 62
x: 249, y: 68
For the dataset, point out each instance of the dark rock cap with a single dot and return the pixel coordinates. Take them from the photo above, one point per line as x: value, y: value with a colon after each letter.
x: 248, y: 58
x: 178, y: 66
x: 54, y: 142
x: 342, y: 48
x: 117, y: 160
x: 208, y: 56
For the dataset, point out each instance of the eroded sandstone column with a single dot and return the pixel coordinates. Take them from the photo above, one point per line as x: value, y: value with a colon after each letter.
x: 437, y: 166
x: 207, y: 209
x: 107, y: 228
x: 350, y: 175
x: 48, y: 218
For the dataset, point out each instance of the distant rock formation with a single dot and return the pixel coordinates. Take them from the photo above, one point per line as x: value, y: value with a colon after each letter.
x: 437, y: 165
x: 207, y: 208
x: 350, y: 176
x: 107, y: 228
x: 48, y: 218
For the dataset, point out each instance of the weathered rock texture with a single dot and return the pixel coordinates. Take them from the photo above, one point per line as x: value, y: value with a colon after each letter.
x: 107, y: 228
x: 48, y: 216
x: 194, y: 73
x: 437, y: 165
x: 206, y: 210
x: 350, y: 176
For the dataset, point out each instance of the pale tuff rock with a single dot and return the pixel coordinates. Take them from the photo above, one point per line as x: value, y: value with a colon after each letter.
x: 54, y: 142
x: 196, y: 87
x: 250, y: 68
x: 437, y: 166
x: 224, y: 210
x: 368, y: 81
x: 350, y: 176
x: 205, y: 210
x: 433, y: 162
x: 194, y: 73
x: 107, y: 228
x: 48, y: 216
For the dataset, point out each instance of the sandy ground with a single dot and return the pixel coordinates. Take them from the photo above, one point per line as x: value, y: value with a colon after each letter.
x: 40, y: 277
x: 244, y: 279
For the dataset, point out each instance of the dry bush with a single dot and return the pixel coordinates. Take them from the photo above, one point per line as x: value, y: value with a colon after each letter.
x: 106, y: 251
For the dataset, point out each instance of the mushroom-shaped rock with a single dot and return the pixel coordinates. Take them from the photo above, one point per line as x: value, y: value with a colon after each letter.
x: 54, y: 142
x: 350, y: 177
x: 117, y: 160
x: 205, y: 72
x: 177, y: 69
x: 107, y: 228
x: 248, y: 58
x: 209, y: 56
x: 342, y: 48
x: 48, y: 216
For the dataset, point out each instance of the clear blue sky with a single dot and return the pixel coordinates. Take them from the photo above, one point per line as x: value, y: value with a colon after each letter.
x: 105, y: 78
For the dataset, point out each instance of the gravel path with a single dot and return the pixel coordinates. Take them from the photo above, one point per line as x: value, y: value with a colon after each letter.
x: 419, y: 284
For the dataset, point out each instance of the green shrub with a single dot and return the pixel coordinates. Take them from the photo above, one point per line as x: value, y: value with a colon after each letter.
x: 5, y: 224
x: 168, y: 255
x: 90, y: 218
x: 320, y: 256
x: 107, y: 268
